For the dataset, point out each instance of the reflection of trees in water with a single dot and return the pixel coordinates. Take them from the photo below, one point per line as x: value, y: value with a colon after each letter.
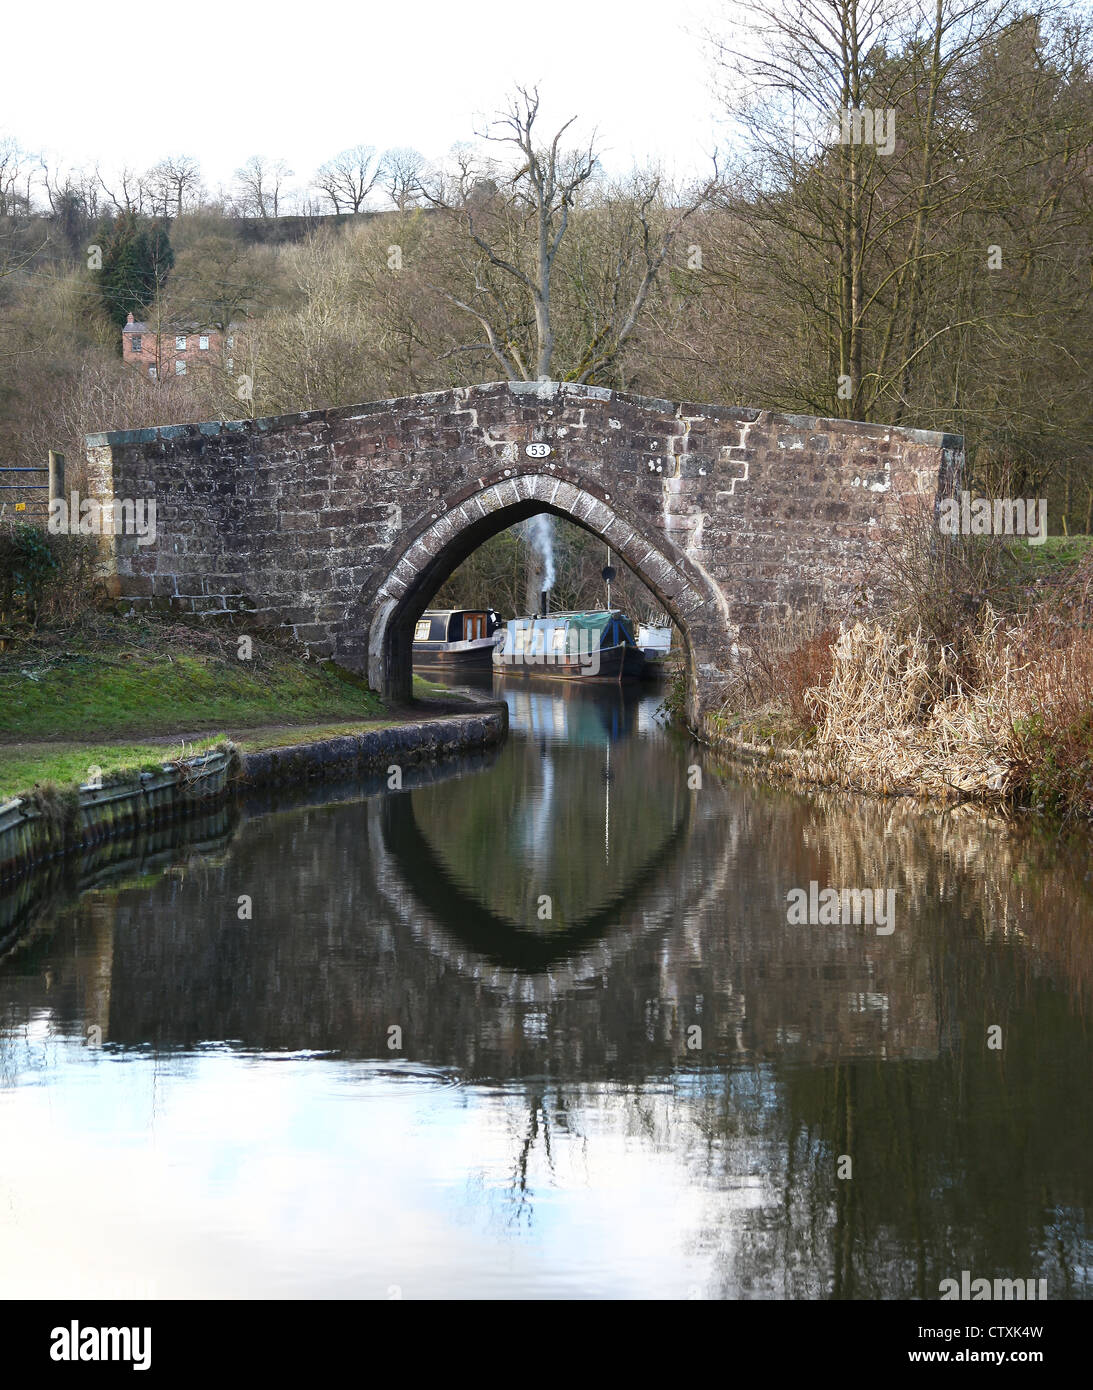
x: 950, y: 1172
x: 1012, y: 883
x: 816, y: 1042
x: 329, y: 960
x: 536, y: 1129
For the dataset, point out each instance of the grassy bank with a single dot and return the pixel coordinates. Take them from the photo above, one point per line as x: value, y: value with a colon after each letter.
x: 114, y: 677
x: 120, y: 694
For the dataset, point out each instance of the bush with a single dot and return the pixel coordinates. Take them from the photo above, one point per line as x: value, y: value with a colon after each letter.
x: 942, y: 586
x: 779, y: 662
x: 1052, y: 729
x: 42, y: 575
x: 27, y: 565
x: 805, y: 668
x: 76, y: 583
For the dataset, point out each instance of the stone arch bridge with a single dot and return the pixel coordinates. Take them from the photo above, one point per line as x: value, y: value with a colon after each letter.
x: 341, y: 524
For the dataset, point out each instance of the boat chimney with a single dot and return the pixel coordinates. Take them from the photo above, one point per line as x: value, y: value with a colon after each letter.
x: 544, y: 602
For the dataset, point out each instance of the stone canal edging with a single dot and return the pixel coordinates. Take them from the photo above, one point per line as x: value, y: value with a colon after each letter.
x: 376, y: 750
x: 39, y: 828
x: 43, y: 826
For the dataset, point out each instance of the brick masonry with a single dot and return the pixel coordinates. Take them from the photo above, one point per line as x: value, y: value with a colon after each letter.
x: 147, y: 349
x: 341, y: 524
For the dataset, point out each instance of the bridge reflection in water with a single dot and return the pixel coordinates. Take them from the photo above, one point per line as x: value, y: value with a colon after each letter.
x: 664, y: 1003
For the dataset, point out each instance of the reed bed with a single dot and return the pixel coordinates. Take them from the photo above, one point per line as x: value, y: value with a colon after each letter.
x: 896, y: 716
x: 1008, y: 719
x: 971, y: 691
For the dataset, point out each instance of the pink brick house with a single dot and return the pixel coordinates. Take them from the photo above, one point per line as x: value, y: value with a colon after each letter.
x: 178, y: 350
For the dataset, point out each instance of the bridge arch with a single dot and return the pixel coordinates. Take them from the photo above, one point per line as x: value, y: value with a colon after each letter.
x: 388, y: 609
x: 338, y: 525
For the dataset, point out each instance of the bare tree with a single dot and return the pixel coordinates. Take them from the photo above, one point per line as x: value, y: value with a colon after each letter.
x: 540, y: 194
x: 619, y: 252
x: 515, y: 221
x: 259, y: 183
x: 174, y: 183
x: 349, y: 177
x: 402, y: 174
x: 128, y: 192
x: 15, y: 170
x: 219, y: 279
x: 73, y: 199
x: 846, y: 106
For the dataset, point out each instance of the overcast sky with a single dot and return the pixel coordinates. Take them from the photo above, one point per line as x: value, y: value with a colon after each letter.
x: 301, y: 81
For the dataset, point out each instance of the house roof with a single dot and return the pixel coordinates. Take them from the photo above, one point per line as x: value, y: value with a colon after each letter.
x: 190, y: 326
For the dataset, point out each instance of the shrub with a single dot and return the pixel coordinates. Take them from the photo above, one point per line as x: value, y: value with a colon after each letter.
x: 76, y: 583
x: 26, y: 566
x: 1051, y: 740
x: 805, y: 668
x: 779, y: 662
x: 42, y: 575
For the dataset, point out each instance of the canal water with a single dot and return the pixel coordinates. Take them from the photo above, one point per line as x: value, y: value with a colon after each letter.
x: 537, y: 1024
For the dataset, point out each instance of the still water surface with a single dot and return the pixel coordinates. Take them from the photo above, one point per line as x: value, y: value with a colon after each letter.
x: 645, y: 1093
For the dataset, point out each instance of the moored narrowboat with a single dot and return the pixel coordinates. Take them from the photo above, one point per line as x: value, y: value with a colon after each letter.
x: 455, y: 639
x: 655, y: 641
x: 595, y: 645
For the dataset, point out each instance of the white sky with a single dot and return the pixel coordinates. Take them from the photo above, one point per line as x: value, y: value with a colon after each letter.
x: 301, y: 81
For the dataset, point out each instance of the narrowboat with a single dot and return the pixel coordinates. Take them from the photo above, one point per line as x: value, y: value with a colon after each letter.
x: 455, y: 639
x: 596, y: 645
x: 655, y: 641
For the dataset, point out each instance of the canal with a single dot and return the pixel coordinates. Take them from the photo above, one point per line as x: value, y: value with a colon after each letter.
x: 538, y: 1024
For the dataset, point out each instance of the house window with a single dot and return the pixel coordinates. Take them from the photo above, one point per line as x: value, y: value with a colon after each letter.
x: 421, y: 631
x: 202, y: 344
x: 180, y: 368
x: 180, y: 343
x: 135, y: 341
x: 152, y: 372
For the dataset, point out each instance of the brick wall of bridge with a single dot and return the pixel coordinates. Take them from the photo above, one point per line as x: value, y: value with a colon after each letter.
x: 320, y: 522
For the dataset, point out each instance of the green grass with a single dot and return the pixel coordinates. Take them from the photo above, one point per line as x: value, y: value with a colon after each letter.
x: 1053, y: 553
x: 122, y: 696
x: 771, y: 724
x: 134, y: 692
x: 27, y: 765
x: 432, y: 690
x: 24, y: 766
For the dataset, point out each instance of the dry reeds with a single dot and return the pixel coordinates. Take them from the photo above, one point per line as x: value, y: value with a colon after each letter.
x: 1011, y: 722
x: 895, y: 717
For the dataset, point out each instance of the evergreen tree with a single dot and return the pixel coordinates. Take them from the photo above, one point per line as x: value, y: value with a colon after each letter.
x: 135, y: 264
